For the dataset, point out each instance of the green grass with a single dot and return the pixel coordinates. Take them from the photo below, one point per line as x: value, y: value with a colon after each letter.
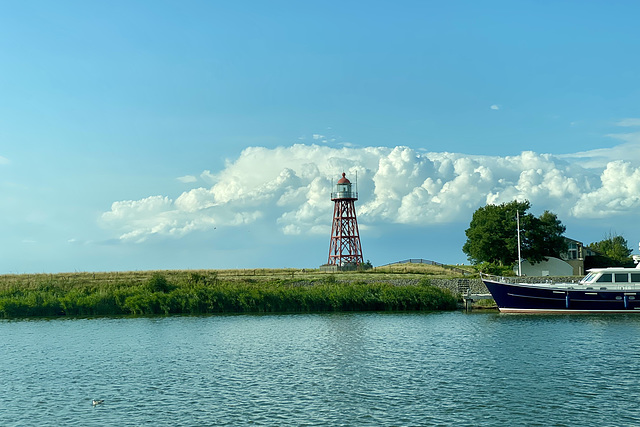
x: 210, y: 291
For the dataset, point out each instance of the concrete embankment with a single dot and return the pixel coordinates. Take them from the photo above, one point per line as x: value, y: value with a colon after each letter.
x: 460, y: 285
x: 455, y: 286
x: 475, y: 285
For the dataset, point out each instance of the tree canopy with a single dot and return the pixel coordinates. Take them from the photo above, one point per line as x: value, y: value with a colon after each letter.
x: 615, y: 250
x: 492, y: 234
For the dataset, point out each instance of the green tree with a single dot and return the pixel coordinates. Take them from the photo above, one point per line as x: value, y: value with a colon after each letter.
x: 614, y: 248
x: 492, y: 234
x: 544, y: 237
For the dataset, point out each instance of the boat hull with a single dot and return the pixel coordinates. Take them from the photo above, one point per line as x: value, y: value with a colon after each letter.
x: 530, y: 298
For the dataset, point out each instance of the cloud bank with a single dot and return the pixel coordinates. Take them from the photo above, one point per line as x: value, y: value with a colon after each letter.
x: 288, y: 188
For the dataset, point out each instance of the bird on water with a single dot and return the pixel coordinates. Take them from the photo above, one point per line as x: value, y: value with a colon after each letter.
x: 97, y: 402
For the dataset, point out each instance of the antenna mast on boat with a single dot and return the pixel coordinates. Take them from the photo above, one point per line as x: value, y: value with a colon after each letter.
x: 519, y: 257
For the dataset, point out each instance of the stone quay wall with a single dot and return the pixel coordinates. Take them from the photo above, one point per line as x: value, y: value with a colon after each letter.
x: 474, y: 285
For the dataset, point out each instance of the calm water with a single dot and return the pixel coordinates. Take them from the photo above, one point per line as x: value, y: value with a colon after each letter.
x: 328, y: 369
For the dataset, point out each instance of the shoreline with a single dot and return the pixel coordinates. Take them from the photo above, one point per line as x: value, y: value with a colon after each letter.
x: 193, y: 293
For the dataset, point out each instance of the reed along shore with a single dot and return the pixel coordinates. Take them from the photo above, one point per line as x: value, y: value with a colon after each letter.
x: 184, y: 292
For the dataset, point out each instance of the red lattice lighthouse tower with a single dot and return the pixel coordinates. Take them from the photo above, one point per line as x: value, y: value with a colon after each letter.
x: 345, y: 248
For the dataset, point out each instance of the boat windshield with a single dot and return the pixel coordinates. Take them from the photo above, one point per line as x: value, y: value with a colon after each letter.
x: 589, y: 278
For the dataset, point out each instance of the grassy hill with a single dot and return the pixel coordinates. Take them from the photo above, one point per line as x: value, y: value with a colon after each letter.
x: 221, y: 291
x: 395, y: 271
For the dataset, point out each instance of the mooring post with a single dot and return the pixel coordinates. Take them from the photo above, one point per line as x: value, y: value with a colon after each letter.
x: 468, y: 301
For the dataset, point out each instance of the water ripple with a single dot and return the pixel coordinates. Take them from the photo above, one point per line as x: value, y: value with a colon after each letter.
x: 322, y: 370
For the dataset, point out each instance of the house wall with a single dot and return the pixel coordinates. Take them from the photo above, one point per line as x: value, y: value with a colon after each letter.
x: 551, y: 267
x: 578, y: 266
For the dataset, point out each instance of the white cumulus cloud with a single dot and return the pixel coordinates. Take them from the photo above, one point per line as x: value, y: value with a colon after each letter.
x: 618, y: 193
x: 288, y: 189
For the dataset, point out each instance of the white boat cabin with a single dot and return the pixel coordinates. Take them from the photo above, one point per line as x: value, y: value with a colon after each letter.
x: 612, y: 275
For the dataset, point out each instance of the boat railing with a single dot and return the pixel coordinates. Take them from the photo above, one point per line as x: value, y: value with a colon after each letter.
x: 493, y: 277
x: 530, y: 279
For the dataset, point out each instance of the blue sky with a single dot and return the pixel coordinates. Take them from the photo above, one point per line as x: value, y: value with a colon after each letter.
x: 204, y: 134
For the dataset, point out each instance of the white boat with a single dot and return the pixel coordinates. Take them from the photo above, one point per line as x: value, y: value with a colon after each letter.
x: 602, y: 290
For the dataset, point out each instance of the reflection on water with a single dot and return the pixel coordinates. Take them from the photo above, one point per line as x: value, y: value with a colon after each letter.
x: 324, y: 369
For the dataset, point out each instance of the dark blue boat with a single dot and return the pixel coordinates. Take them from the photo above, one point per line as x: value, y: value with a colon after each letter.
x: 603, y: 290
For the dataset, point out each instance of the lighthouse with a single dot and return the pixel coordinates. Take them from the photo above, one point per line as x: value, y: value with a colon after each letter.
x: 345, y: 248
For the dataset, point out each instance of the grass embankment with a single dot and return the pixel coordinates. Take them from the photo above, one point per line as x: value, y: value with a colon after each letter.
x: 202, y: 292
